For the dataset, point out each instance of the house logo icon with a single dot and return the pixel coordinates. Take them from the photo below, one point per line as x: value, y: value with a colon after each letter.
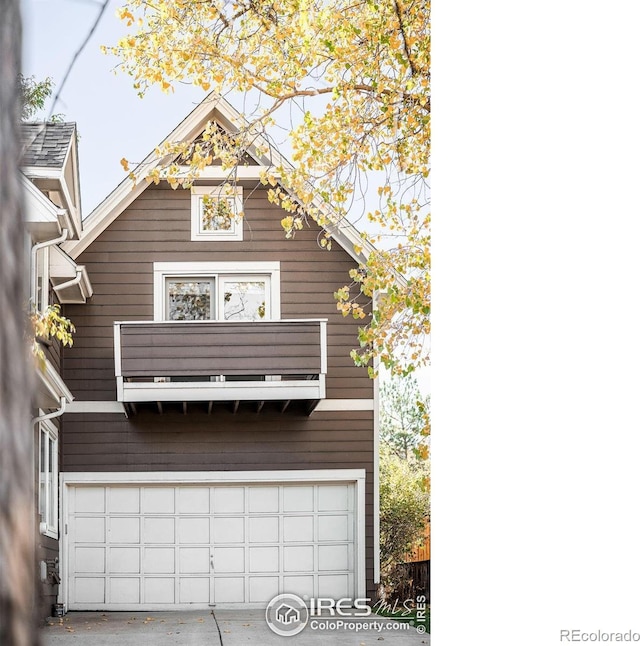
x: 287, y: 615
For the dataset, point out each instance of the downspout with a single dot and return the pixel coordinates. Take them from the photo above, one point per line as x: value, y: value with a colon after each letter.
x: 69, y: 283
x: 34, y: 251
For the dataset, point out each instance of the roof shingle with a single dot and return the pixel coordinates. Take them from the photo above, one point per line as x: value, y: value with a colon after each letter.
x: 45, y: 144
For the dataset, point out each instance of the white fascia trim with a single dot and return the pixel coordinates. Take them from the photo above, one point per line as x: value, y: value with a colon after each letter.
x: 228, y: 175
x: 221, y: 391
x: 162, y: 269
x: 125, y: 193
x: 53, y: 382
x: 95, y: 407
x: 331, y: 405
x: 214, y: 477
x: 72, y: 158
x: 41, y: 172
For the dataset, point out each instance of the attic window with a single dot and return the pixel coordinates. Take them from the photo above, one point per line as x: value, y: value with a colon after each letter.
x: 216, y: 213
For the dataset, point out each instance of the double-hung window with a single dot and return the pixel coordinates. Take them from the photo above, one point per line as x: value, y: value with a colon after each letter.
x: 48, y: 479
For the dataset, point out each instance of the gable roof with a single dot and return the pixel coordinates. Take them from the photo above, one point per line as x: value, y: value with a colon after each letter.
x: 212, y: 108
x: 45, y: 144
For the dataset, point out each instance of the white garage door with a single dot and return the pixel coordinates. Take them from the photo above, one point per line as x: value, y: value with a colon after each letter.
x: 157, y: 546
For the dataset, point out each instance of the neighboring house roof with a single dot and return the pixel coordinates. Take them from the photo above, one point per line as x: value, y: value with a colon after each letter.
x: 49, y: 158
x: 212, y: 108
x: 45, y: 144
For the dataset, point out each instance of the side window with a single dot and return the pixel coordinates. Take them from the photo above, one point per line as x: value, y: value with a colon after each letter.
x: 41, y: 296
x: 216, y: 213
x: 48, y: 479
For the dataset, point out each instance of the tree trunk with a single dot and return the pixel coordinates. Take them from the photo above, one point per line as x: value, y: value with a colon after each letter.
x: 18, y: 626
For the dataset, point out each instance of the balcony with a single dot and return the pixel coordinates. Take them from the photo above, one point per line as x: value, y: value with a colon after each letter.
x: 221, y: 361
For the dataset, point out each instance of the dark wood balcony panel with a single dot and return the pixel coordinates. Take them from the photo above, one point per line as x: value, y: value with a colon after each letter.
x: 209, y: 348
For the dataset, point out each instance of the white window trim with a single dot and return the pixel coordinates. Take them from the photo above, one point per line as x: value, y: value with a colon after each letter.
x: 163, y: 270
x: 50, y: 432
x: 197, y: 233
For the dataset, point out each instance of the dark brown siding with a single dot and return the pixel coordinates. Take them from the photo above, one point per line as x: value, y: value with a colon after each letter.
x: 220, y: 348
x: 156, y: 228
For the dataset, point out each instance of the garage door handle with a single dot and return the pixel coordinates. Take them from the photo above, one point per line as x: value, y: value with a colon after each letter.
x: 212, y: 568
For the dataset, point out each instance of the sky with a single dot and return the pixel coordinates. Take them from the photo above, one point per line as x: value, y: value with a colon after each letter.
x: 113, y: 122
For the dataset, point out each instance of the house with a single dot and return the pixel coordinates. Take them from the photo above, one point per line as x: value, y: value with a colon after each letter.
x: 221, y: 447
x: 50, y: 180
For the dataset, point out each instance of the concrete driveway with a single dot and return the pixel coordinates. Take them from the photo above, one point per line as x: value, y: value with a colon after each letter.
x: 218, y: 628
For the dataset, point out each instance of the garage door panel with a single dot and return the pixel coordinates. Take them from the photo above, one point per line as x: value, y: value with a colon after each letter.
x: 229, y: 589
x: 150, y: 547
x: 298, y: 529
x: 264, y: 529
x: 194, y: 590
x: 159, y: 590
x: 124, y: 530
x: 298, y: 558
x: 124, y: 500
x: 334, y: 586
x: 229, y: 559
x: 264, y: 500
x: 194, y: 560
x: 300, y: 585
x: 124, y: 590
x: 158, y: 500
x: 90, y: 529
x: 333, y: 557
x: 263, y: 589
x: 194, y: 500
x: 159, y: 530
x: 159, y: 560
x: 334, y: 498
x: 228, y: 530
x: 333, y: 528
x: 298, y: 498
x: 228, y: 500
x: 89, y: 590
x: 194, y: 530
x: 90, y: 560
x: 264, y: 559
x: 124, y: 560
x: 89, y: 500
